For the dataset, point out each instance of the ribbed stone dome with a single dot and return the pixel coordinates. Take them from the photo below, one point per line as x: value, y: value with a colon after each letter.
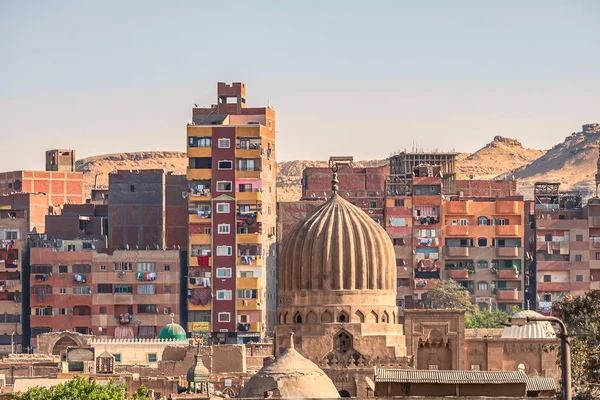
x: 531, y: 330
x: 338, y: 247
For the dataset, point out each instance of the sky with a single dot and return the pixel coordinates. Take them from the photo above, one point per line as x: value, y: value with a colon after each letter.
x: 345, y: 77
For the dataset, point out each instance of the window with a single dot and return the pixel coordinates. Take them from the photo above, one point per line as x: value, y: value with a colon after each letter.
x: 548, y: 237
x: 224, y: 317
x: 482, y: 242
x: 87, y: 245
x: 123, y: 266
x: 207, y: 231
x: 63, y: 269
x: 167, y: 267
x: 482, y: 264
x: 547, y: 278
x: 224, y: 143
x: 149, y: 288
x: 62, y: 290
x: 223, y: 272
x: 146, y: 267
x: 454, y: 222
x: 224, y: 186
x: 579, y: 238
x: 147, y: 309
x: 483, y: 221
x: 123, y: 289
x: 246, y: 274
x: 578, y: 257
x: 579, y: 278
x: 117, y: 357
x: 244, y: 319
x: 81, y: 268
x: 105, y: 288
x: 247, y: 294
x: 398, y: 221
x: 224, y: 250
x: 246, y: 165
x: 223, y: 294
x: 224, y: 228
x: 372, y: 204
x: 464, y: 222
x: 82, y: 290
x: 501, y: 221
x: 225, y: 164
x: 102, y: 310
x: 196, y: 141
x: 103, y: 268
x: 152, y: 357
x: 132, y: 188
x: 222, y: 208
x: 482, y: 286
x: 547, y: 297
x: 398, y: 203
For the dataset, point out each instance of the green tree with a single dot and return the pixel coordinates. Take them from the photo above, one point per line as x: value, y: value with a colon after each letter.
x: 580, y: 314
x: 141, y: 393
x: 484, y: 319
x: 76, y: 389
x: 448, y: 294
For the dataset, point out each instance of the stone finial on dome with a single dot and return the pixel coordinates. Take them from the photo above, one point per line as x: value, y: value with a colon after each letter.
x: 335, y: 181
x: 291, y: 340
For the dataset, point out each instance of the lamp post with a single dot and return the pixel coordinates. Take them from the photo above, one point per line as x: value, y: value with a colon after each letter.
x: 565, y: 349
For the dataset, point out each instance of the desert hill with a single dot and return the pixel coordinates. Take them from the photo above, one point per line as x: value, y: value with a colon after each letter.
x: 572, y: 163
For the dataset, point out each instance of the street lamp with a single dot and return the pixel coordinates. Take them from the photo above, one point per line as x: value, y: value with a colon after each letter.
x: 565, y: 348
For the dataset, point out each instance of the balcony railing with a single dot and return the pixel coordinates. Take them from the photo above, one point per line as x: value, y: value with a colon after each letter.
x: 457, y: 273
x: 507, y: 294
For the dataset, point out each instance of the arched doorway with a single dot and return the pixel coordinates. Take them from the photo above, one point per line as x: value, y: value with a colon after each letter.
x: 344, y: 393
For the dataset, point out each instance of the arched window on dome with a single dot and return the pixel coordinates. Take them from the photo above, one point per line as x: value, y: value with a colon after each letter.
x: 342, y: 342
x: 385, y: 318
x: 343, y: 317
x: 298, y: 318
x: 360, y: 316
x: 483, y: 221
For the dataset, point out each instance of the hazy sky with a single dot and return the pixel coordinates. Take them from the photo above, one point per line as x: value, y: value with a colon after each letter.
x: 360, y: 78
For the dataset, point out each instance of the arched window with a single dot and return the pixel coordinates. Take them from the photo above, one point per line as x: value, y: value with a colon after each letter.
x: 482, y: 286
x: 483, y: 221
x: 343, y: 317
x: 298, y: 318
x: 342, y: 342
x: 482, y: 264
x: 482, y: 242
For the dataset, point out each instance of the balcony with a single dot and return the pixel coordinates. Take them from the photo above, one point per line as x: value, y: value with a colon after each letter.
x: 193, y: 152
x: 199, y: 307
x: 507, y: 274
x: 248, y: 283
x: 507, y: 294
x: 457, y: 251
x: 247, y: 153
x: 247, y: 304
x: 457, y: 207
x: 254, y: 174
x: 253, y: 196
x: 424, y: 284
x: 200, y: 261
x: 248, y: 238
x: 249, y: 260
x: 508, y: 230
x: 553, y: 287
x: 457, y: 230
x: 250, y: 327
x: 507, y: 251
x: 508, y: 207
x: 201, y: 217
x: 457, y: 274
x: 198, y: 173
x: 200, y: 239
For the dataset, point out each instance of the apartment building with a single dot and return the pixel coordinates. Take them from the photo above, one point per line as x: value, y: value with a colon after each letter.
x: 231, y: 225
x: 125, y: 294
x: 564, y: 244
x: 13, y: 232
x: 60, y: 182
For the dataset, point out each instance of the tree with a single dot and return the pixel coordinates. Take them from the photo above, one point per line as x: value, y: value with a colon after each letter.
x: 448, y: 294
x: 580, y: 315
x: 484, y: 319
x: 141, y: 393
x: 76, y: 389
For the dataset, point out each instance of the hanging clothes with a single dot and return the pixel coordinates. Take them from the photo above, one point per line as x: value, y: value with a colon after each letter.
x: 203, y: 261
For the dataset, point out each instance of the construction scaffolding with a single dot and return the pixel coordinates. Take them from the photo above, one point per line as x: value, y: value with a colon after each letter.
x: 402, y: 166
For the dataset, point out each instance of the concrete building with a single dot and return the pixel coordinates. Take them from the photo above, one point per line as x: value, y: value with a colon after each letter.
x: 125, y: 294
x: 59, y: 182
x: 147, y: 208
x: 35, y: 206
x: 13, y: 234
x: 232, y: 198
x: 562, y: 245
x: 78, y: 221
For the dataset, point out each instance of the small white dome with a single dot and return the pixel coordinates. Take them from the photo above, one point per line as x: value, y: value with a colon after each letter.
x: 531, y: 330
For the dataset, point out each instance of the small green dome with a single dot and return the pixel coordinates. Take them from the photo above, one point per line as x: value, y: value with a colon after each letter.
x: 172, y: 331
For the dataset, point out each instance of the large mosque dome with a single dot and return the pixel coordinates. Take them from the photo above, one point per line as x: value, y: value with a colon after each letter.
x: 338, y: 247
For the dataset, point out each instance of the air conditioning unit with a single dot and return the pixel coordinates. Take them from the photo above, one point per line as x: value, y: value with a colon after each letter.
x: 166, y: 310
